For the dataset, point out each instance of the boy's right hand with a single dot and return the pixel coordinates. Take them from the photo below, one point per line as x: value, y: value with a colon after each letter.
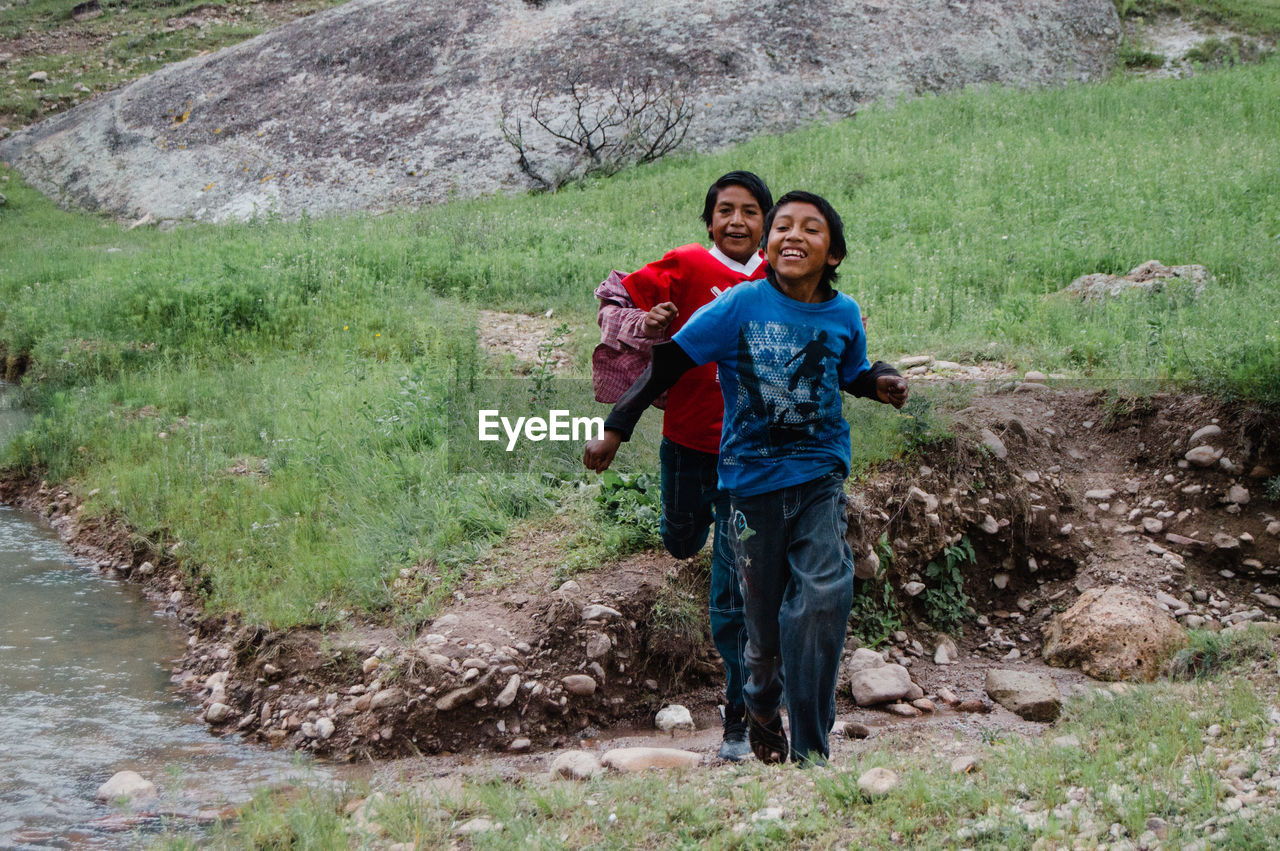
x: 599, y: 453
x: 657, y: 319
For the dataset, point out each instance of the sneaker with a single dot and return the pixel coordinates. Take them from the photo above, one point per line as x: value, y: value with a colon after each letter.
x: 735, y: 747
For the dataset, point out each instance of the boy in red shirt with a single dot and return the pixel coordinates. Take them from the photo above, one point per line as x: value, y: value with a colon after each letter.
x: 648, y: 307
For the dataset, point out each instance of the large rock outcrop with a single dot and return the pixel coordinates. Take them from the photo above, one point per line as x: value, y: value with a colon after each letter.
x: 384, y: 103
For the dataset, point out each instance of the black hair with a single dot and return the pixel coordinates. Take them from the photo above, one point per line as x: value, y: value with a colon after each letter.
x: 834, y: 224
x: 748, y: 181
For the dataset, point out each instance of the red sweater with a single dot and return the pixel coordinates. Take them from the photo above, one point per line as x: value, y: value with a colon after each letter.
x: 691, y: 276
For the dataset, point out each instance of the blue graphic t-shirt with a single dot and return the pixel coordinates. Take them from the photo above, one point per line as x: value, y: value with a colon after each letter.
x: 782, y: 364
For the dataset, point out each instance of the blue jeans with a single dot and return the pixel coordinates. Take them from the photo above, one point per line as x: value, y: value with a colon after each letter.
x: 796, y: 569
x: 691, y: 503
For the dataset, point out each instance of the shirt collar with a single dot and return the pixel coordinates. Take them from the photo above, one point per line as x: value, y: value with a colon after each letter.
x: 747, y: 268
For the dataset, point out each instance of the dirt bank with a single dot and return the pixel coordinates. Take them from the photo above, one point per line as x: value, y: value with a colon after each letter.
x: 1058, y: 488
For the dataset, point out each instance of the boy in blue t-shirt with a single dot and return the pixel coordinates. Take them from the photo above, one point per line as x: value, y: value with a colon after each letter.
x: 785, y: 346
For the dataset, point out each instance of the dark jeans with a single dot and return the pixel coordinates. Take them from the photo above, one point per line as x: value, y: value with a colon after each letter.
x: 797, y: 576
x: 691, y: 503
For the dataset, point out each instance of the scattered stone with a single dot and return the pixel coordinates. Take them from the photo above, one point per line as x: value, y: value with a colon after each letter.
x: 596, y: 611
x: 371, y: 664
x: 1113, y: 633
x: 1068, y: 741
x: 217, y: 713
x: 915, y: 360
x: 1149, y: 277
x: 457, y: 697
x: 1205, y: 434
x: 964, y: 764
x: 386, y: 698
x: 946, y: 653
x: 924, y: 704
x: 1035, y: 376
x: 445, y: 622
x: 989, y: 524
x: 477, y: 825
x: 877, y: 782
x: 673, y: 718
x: 1000, y: 580
x: 768, y: 814
x: 127, y: 785
x: 864, y: 658
x: 631, y: 760
x: 508, y: 694
x: 324, y: 727
x: 520, y: 745
x: 1204, y: 456
x: 1152, y: 525
x: 1099, y: 494
x: 38, y: 77
x: 1268, y: 599
x: 856, y: 730
x: 948, y: 697
x: 576, y: 765
x: 599, y: 645
x: 973, y: 704
x: 1238, y: 494
x: 929, y: 501
x: 579, y: 684
x: 913, y: 589
x: 1031, y: 696
x: 994, y: 443
x: 569, y: 587
x: 903, y: 710
x: 885, y: 684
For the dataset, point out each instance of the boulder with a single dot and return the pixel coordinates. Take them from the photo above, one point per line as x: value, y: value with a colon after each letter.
x: 396, y: 103
x: 126, y: 785
x: 1034, y: 697
x: 1112, y: 634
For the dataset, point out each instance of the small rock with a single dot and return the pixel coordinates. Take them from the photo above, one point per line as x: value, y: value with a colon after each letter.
x: 370, y: 664
x: 477, y: 825
x: 924, y: 704
x: 1069, y: 741
x: 1205, y: 434
x: 599, y: 645
x: 1099, y: 494
x: 1268, y: 599
x: 38, y: 77
x: 768, y: 814
x: 673, y: 718
x: 127, y: 785
x: 1204, y: 456
x: 1239, y: 494
x: 595, y: 611
x: 1034, y: 697
x: 324, y: 727
x: 579, y: 684
x: 903, y: 710
x: 640, y: 759
x: 1000, y: 580
x: 520, y: 745
x: 929, y: 501
x: 884, y: 684
x: 947, y: 696
x: 508, y: 694
x: 856, y: 730
x: 388, y: 697
x: 994, y: 444
x: 1152, y: 526
x: 217, y: 713
x: 946, y: 653
x: 864, y: 658
x: 913, y: 589
x: 1035, y: 376
x: 877, y: 782
x: 989, y: 524
x: 964, y: 764
x: 915, y: 360
x: 576, y: 765
x: 445, y: 622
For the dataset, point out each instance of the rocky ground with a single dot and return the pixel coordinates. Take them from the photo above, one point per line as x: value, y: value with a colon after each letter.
x: 1062, y: 491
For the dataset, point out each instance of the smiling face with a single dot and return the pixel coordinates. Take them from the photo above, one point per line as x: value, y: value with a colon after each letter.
x: 737, y: 223
x: 799, y: 246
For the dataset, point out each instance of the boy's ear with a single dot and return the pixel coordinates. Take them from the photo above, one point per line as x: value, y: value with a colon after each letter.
x: 834, y: 260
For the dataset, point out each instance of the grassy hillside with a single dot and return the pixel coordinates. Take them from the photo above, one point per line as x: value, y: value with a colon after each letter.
x: 276, y: 395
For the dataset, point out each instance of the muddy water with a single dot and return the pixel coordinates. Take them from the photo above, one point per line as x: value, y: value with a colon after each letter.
x: 85, y: 692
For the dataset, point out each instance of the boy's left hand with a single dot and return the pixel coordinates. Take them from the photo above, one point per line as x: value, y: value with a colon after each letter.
x: 892, y: 390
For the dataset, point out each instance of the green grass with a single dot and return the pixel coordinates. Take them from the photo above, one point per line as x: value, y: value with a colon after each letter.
x: 1254, y: 17
x: 323, y: 351
x: 1143, y: 751
x: 124, y: 42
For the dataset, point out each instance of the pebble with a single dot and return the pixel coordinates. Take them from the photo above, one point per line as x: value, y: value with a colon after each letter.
x: 964, y: 764
x: 217, y: 713
x: 674, y: 718
x: 596, y: 611
x: 579, y: 684
x: 576, y: 765
x: 913, y: 589
x: 324, y: 727
x: 1099, y: 494
x: 477, y: 825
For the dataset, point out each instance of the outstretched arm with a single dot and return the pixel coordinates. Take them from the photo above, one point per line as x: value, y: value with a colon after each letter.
x: 881, y: 382
x: 668, y: 364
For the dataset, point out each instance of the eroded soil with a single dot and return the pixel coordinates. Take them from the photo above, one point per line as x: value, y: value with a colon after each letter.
x: 1092, y: 489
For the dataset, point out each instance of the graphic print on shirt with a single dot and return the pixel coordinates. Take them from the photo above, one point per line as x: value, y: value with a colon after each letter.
x: 785, y: 381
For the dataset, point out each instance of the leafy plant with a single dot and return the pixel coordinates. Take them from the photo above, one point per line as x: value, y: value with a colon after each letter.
x: 1273, y: 489
x: 918, y: 425
x: 632, y: 500
x: 875, y: 614
x: 544, y: 369
x: 946, y: 604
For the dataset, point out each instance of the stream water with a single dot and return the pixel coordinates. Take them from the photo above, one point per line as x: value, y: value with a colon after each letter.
x: 85, y: 692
